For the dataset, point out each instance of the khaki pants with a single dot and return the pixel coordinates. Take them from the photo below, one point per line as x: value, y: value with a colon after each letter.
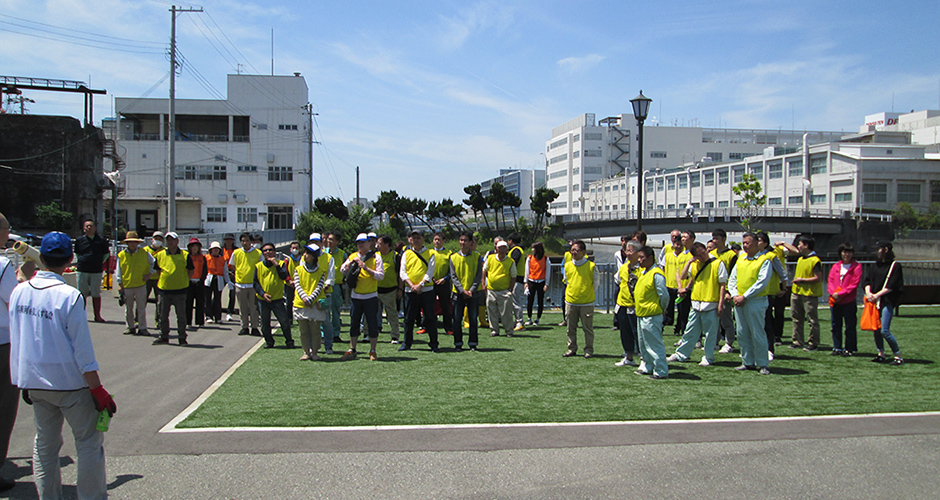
x: 585, y: 315
x: 135, y: 299
x: 500, y: 309
x: 247, y: 308
x: 388, y: 300
x: 803, y: 310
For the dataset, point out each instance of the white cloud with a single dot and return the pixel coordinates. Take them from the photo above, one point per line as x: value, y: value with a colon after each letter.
x: 580, y: 64
x: 479, y: 17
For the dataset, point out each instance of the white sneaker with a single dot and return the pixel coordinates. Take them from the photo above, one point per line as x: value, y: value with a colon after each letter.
x: 642, y: 367
x: 674, y: 357
x: 770, y: 356
x: 228, y: 317
x: 725, y: 349
x: 209, y: 321
x: 625, y: 362
x: 704, y: 362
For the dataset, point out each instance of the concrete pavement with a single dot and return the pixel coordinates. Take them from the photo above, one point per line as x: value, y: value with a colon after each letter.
x: 870, y: 457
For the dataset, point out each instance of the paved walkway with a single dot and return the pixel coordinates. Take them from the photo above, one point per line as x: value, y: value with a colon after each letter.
x: 871, y: 457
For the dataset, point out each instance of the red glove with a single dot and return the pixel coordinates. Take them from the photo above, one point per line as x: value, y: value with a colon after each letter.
x: 103, y: 400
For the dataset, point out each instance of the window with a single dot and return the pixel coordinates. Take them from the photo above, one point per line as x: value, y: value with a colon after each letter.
x: 843, y: 197
x: 575, y: 170
x: 738, y: 174
x: 216, y: 214
x: 909, y: 193
x: 649, y: 186
x: 710, y: 178
x: 616, y: 187
x: 286, y: 127
x: 559, y: 142
x: 715, y: 156
x: 695, y: 180
x: 775, y: 201
x: 795, y: 200
x: 576, y: 153
x: 247, y: 214
x: 817, y: 165
x: 592, y: 153
x: 709, y: 204
x: 561, y: 189
x: 201, y: 172
x: 592, y: 170
x: 817, y: 199
x: 560, y: 204
x: 280, y: 173
x: 683, y: 182
x: 671, y: 183
x: 737, y: 156
x: 576, y: 138
x: 775, y: 171
x: 575, y: 187
x: 723, y: 176
x: 875, y: 193
x: 659, y: 184
x: 795, y: 168
x: 558, y: 158
x: 560, y: 173
x: 757, y: 170
x: 594, y: 136
x: 723, y: 204
x: 248, y: 168
x: 935, y: 191
x: 671, y: 206
x: 657, y: 154
x: 607, y: 188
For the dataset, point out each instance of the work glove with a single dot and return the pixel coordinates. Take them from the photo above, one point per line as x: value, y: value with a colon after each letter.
x: 103, y: 400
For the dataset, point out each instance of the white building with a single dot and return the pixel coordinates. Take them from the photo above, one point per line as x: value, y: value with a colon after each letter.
x: 242, y: 163
x: 583, y: 151
x: 519, y: 182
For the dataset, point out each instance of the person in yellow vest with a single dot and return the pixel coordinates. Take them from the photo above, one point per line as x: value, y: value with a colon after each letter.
x: 579, y: 299
x: 339, y: 290
x: 389, y: 290
x: 196, y: 295
x: 726, y: 317
x: 707, y: 277
x: 651, y: 298
x: 442, y: 284
x: 268, y: 285
x: 748, y: 281
x: 499, y: 274
x: 778, y: 282
x: 564, y: 282
x: 367, y: 264
x: 290, y: 263
x: 312, y: 281
x: 669, y: 262
x: 517, y: 254
x: 244, y: 260
x: 626, y: 279
x: 807, y: 288
x: 684, y: 306
x: 174, y: 265
x: 157, y: 245
x: 134, y: 267
x: 537, y: 280
x: 417, y: 267
x: 466, y: 273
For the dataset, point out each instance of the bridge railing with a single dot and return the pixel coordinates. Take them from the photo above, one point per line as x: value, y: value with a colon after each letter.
x: 729, y: 214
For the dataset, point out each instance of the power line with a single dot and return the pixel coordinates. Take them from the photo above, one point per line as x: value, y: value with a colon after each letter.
x: 72, y: 42
x: 118, y: 39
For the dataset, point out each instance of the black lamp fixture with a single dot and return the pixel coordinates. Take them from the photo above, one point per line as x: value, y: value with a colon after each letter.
x: 641, y: 107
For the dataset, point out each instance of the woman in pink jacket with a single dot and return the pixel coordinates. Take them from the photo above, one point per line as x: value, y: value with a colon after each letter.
x: 844, y: 278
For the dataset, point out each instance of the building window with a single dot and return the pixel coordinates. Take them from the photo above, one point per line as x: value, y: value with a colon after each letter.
x: 247, y: 215
x: 561, y: 189
x: 671, y: 183
x: 723, y: 204
x: 280, y: 173
x: 649, y: 186
x: 817, y: 165
x: 875, y: 193
x: 286, y: 127
x: 592, y: 170
x: 909, y: 193
x: 775, y: 171
x: 657, y: 154
x: 576, y: 154
x: 715, y: 156
x: 593, y: 136
x: 795, y: 200
x: 738, y: 174
x: 659, y: 184
x: 576, y: 138
x: 201, y: 172
x: 280, y: 217
x: 683, y: 182
x: 710, y: 178
x: 559, y: 142
x: 575, y: 170
x: 248, y: 168
x: 757, y: 170
x: 216, y: 214
x: 709, y: 204
x: 934, y: 191
x: 592, y: 153
x: 560, y: 173
x: 795, y: 168
x: 616, y: 187
x: 817, y: 199
x: 695, y: 180
x: 558, y: 158
x: 723, y: 176
x: 843, y: 197
x: 671, y: 206
x: 775, y: 201
x: 575, y: 187
x: 607, y: 188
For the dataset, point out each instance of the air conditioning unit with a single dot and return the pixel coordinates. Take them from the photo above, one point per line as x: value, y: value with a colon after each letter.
x: 240, y: 198
x: 223, y: 198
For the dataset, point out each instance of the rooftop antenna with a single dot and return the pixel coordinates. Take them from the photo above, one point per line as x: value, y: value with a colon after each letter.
x: 272, y: 51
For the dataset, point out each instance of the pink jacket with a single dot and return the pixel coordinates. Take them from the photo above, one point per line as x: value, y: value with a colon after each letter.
x: 846, y: 286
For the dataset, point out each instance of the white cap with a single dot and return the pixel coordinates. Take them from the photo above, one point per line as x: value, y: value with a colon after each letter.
x: 314, y: 237
x: 172, y: 234
x: 373, y: 236
x: 157, y: 233
x: 362, y: 237
x: 502, y: 243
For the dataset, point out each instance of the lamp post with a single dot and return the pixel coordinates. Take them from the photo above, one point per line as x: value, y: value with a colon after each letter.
x: 641, y: 106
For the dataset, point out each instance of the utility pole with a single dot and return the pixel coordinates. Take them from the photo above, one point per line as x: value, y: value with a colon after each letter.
x: 357, y: 186
x: 171, y: 161
x: 310, y: 143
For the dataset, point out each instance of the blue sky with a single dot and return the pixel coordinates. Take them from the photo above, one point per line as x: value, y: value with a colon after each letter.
x: 428, y: 97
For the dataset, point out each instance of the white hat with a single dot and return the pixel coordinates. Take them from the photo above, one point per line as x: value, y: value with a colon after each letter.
x: 157, y: 233
x: 215, y: 244
x: 314, y: 237
x: 172, y: 234
x: 502, y: 243
x: 362, y: 237
x: 373, y: 236
x: 313, y: 247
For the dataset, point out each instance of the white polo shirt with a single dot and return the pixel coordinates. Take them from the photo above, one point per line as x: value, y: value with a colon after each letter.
x: 7, y: 284
x: 50, y: 344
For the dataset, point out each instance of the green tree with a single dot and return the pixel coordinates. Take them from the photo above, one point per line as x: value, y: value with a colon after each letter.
x: 333, y: 207
x: 541, y: 201
x: 752, y: 201
x: 477, y: 202
x: 53, y: 217
x: 496, y: 200
x: 358, y: 220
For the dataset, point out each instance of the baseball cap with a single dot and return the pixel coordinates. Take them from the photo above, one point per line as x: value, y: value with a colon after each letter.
x: 373, y: 236
x: 157, y: 234
x: 362, y: 237
x: 313, y: 247
x: 502, y: 243
x: 172, y: 234
x: 314, y: 237
x: 415, y: 233
x: 56, y: 244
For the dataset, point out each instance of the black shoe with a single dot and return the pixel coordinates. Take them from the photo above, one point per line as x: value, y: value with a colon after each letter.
x: 458, y: 348
x: 183, y: 342
x: 290, y: 344
x: 404, y: 347
x: 255, y: 332
x: 836, y: 352
x: 435, y: 349
x: 878, y: 359
x: 848, y: 354
x: 269, y: 346
x: 656, y: 377
x: 243, y: 331
x: 337, y: 340
x: 161, y: 340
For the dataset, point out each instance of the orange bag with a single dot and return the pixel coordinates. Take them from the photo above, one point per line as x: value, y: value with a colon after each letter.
x: 871, y: 319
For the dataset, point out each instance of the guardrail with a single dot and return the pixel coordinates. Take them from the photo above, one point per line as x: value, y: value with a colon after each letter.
x: 729, y: 214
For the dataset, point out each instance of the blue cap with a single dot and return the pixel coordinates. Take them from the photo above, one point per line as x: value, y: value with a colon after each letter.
x: 56, y: 244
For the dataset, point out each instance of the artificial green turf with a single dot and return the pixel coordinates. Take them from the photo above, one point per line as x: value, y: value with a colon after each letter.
x: 525, y: 379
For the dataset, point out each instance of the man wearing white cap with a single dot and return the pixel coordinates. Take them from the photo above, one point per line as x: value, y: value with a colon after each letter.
x: 155, y: 247
x: 499, y: 274
x: 134, y: 267
x: 173, y: 284
x: 244, y: 260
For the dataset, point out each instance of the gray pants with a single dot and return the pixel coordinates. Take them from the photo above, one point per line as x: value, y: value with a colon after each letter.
x: 247, y: 307
x: 391, y: 311
x: 499, y: 309
x: 584, y: 315
x: 726, y: 321
x: 135, y: 298
x: 50, y: 408
x: 518, y: 301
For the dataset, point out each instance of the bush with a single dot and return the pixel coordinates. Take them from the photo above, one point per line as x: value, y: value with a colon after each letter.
x: 52, y: 217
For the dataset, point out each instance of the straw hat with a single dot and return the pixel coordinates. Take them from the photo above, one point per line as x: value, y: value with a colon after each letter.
x: 132, y: 236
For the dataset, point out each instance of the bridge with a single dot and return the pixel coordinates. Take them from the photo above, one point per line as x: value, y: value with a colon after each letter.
x: 829, y: 227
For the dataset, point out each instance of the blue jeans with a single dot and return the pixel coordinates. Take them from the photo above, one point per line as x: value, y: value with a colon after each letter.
x: 847, y: 314
x: 887, y: 312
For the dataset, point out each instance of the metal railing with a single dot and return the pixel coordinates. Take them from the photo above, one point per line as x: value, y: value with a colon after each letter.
x: 729, y: 213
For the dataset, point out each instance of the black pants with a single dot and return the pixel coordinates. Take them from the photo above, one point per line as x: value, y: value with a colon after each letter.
x: 669, y: 315
x: 214, y: 300
x: 196, y: 302
x: 368, y: 308
x: 536, y: 288
x: 420, y: 302
x: 628, y: 331
x: 9, y: 401
x: 682, y: 314
x: 473, y: 315
x: 279, y: 308
x: 846, y: 314
x: 443, y: 292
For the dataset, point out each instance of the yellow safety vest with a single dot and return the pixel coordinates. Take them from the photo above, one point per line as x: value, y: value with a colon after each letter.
x: 748, y: 270
x: 497, y: 273
x: 520, y: 264
x: 339, y: 256
x: 580, y: 289
x: 245, y: 265
x: 681, y: 260
x: 153, y: 253
x: 804, y: 269
x: 706, y: 285
x: 415, y: 268
x: 624, y: 297
x: 671, y: 265
x: 174, y: 275
x: 647, y: 300
x: 773, y: 288
x: 308, y: 280
x: 133, y: 267
x: 391, y: 273
x: 367, y: 283
x: 466, y: 268
x: 441, y: 262
x: 271, y: 283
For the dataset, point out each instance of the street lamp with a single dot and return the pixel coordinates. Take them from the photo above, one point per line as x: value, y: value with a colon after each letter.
x: 641, y: 106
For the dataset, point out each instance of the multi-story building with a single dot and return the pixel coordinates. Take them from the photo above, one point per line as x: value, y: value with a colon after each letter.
x: 519, y: 182
x: 584, y: 150
x: 242, y: 163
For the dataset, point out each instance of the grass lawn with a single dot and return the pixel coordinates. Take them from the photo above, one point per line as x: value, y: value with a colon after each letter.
x: 525, y: 379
